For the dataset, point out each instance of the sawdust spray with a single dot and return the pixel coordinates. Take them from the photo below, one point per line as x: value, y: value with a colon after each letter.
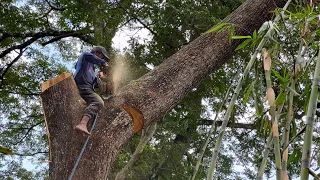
x: 120, y: 71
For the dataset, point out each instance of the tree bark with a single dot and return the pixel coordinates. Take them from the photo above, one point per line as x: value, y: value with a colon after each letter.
x: 152, y: 96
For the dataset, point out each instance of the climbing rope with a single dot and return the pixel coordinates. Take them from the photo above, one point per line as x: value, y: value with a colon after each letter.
x: 83, y: 148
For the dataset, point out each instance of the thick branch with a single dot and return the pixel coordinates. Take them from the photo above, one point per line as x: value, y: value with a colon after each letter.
x: 36, y: 36
x: 87, y: 39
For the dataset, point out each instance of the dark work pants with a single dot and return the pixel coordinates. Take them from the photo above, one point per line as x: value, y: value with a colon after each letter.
x: 94, y: 101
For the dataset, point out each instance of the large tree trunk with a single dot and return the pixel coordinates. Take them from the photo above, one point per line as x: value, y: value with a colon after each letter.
x: 151, y: 96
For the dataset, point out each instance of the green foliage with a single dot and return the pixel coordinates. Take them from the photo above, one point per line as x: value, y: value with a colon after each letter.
x: 172, y: 153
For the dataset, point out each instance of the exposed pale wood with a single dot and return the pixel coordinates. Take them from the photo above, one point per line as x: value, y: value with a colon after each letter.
x: 136, y: 116
x: 54, y: 81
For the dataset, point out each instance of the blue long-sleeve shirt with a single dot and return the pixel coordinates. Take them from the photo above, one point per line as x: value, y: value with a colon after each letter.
x: 85, y: 71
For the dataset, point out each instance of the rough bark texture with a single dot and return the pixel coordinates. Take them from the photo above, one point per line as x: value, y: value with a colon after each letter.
x: 153, y: 95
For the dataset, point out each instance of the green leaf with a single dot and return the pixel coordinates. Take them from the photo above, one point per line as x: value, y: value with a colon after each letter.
x: 293, y: 91
x: 312, y: 18
x: 241, y: 37
x: 254, y: 35
x: 246, y: 97
x: 218, y: 28
x: 231, y: 33
x: 294, y: 128
x: 295, y: 156
x: 280, y: 98
x: 280, y: 78
x: 5, y: 150
x: 264, y: 26
x: 243, y: 44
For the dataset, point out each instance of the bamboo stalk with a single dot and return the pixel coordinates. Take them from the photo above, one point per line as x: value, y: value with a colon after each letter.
x: 305, y: 164
x: 289, y: 117
x: 235, y: 95
x: 265, y: 157
x: 267, y: 149
x: 229, y: 110
x: 213, y: 127
x: 271, y: 99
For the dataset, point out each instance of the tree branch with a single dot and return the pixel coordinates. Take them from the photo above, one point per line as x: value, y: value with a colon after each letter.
x: 25, y: 94
x: 8, y: 67
x: 28, y: 131
x: 230, y: 124
x: 36, y: 36
x: 32, y: 154
x: 20, y: 46
x: 142, y: 23
x: 87, y: 39
x: 314, y: 174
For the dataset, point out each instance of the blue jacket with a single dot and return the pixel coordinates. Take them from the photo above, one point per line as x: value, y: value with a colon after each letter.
x: 85, y: 71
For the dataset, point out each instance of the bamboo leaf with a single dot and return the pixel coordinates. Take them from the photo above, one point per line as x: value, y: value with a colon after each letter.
x: 312, y: 18
x: 5, y: 150
x: 243, y: 44
x: 280, y: 78
x: 246, y: 97
x: 295, y: 156
x: 218, y: 28
x: 254, y: 36
x: 264, y: 26
x: 231, y: 33
x: 293, y: 91
x: 294, y: 128
x: 280, y: 98
x: 241, y: 37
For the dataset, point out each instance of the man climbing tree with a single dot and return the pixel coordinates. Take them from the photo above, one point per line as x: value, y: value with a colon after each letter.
x: 86, y: 81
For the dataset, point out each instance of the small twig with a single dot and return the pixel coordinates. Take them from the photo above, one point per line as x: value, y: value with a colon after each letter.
x: 292, y: 139
x: 25, y: 94
x: 32, y: 154
x: 29, y: 130
x: 142, y: 23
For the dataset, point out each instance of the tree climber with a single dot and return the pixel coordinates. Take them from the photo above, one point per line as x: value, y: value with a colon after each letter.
x: 86, y: 80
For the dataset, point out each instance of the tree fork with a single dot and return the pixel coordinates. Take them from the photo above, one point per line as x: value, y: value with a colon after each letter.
x: 153, y: 95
